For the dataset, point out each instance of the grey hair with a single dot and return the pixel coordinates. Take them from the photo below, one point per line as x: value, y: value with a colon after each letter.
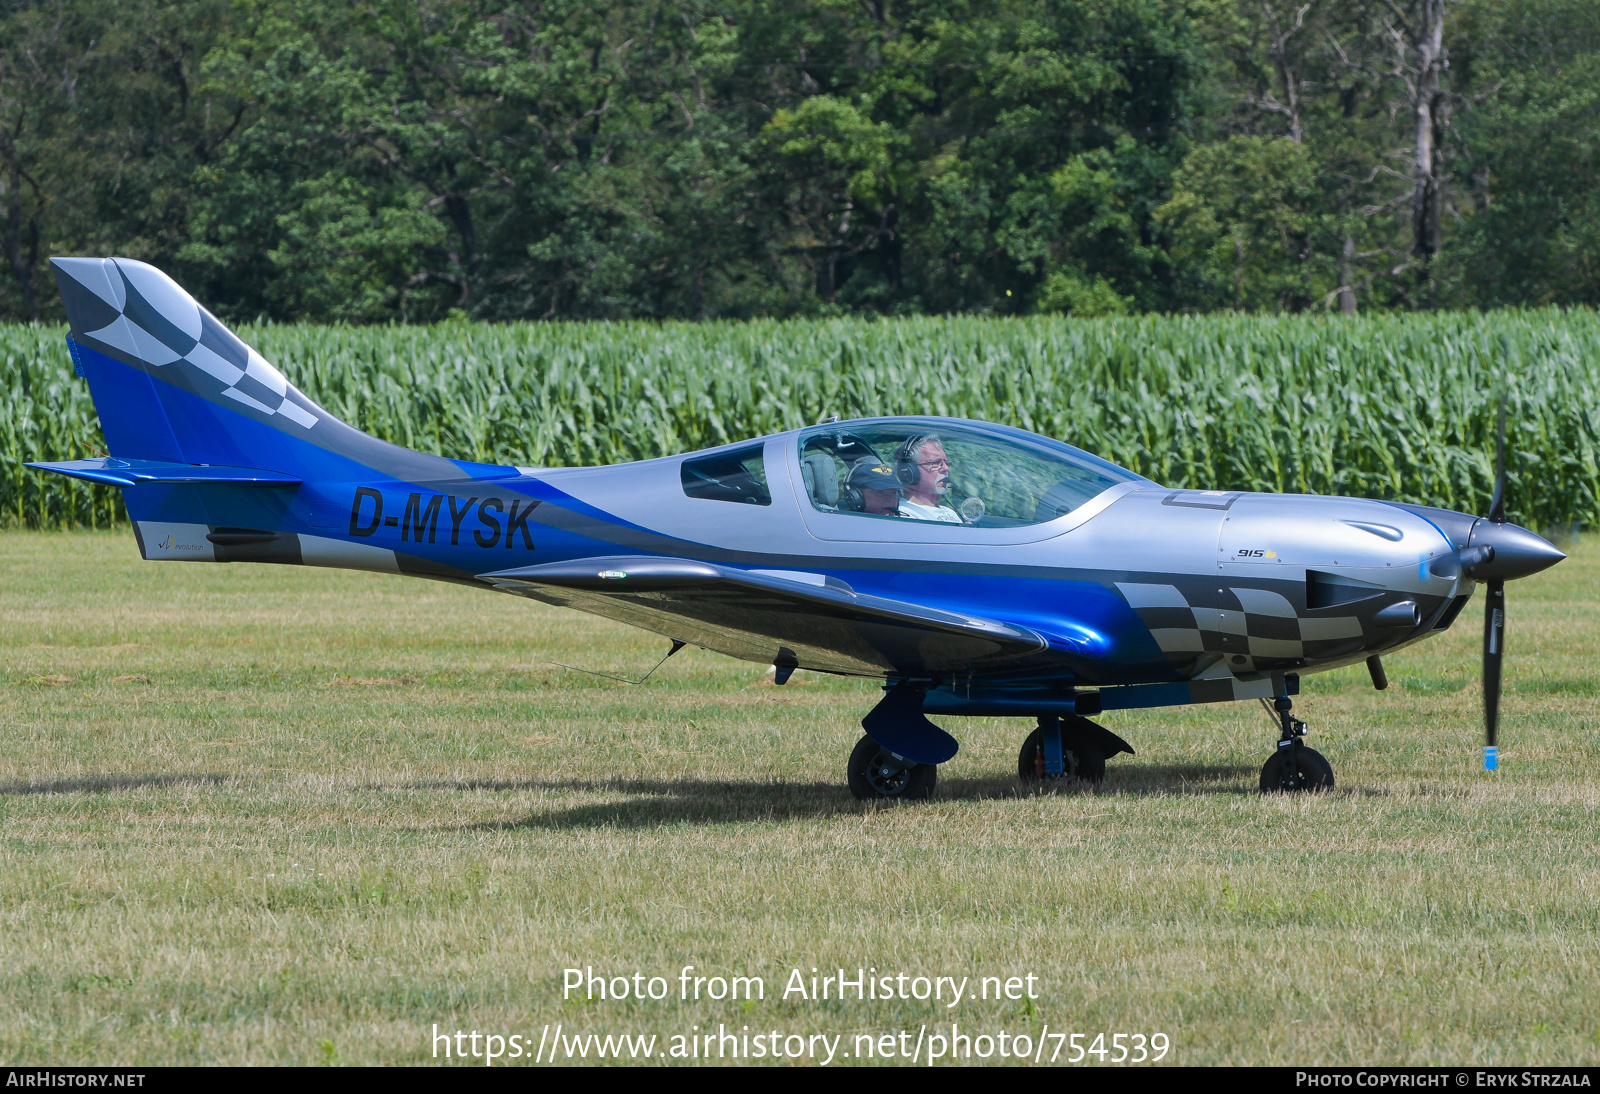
x: 923, y: 443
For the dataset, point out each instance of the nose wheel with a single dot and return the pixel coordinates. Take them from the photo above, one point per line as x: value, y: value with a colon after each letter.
x: 1293, y: 766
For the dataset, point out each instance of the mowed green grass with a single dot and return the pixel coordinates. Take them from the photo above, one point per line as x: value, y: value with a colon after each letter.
x: 255, y: 814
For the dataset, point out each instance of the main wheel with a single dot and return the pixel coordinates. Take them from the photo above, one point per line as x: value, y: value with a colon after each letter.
x: 875, y: 774
x: 1082, y: 758
x: 1314, y: 771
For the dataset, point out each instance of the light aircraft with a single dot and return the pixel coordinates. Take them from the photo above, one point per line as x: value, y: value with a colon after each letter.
x: 974, y: 569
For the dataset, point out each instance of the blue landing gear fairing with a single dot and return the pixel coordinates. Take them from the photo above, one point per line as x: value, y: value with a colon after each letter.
x: 974, y: 569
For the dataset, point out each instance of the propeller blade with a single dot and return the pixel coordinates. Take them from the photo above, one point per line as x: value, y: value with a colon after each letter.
x: 1497, y: 504
x: 1494, y: 608
x: 1494, y: 649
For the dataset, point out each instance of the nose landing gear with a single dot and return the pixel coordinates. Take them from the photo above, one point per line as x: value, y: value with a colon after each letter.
x: 1293, y: 766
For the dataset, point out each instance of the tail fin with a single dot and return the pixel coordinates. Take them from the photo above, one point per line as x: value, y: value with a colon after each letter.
x: 220, y: 456
x: 173, y: 384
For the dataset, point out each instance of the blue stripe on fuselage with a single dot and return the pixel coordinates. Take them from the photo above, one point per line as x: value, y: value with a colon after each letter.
x: 1081, y: 619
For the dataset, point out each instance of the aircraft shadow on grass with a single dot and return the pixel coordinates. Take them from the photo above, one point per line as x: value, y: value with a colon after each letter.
x: 656, y: 802
x: 99, y: 784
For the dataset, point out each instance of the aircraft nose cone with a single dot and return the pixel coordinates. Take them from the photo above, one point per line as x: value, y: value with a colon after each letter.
x: 1517, y: 551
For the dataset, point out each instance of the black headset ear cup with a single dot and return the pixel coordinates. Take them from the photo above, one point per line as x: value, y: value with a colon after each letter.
x: 905, y: 463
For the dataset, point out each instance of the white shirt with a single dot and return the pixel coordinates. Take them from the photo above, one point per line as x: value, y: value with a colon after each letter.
x: 909, y: 508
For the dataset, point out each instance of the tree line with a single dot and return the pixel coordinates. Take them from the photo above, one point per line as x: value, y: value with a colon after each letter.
x: 414, y: 160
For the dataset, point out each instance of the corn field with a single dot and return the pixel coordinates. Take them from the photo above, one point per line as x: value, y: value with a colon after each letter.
x: 1389, y: 406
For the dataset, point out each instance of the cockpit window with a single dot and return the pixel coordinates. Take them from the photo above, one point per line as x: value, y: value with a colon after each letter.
x: 946, y: 472
x: 739, y: 475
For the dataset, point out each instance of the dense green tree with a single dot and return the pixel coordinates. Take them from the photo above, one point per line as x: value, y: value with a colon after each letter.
x: 104, y: 119
x: 413, y: 159
x: 1526, y: 226
x: 1245, y: 225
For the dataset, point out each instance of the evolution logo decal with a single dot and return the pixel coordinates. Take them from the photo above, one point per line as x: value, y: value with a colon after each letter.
x: 171, y: 544
x: 419, y: 518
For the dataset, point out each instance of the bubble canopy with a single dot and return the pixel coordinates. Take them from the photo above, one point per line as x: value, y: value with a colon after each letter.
x: 949, y: 471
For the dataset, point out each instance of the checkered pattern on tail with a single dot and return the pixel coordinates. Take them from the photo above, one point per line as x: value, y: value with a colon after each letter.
x: 1249, y: 630
x: 138, y: 310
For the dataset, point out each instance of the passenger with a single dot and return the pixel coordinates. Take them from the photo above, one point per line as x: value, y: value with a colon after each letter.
x: 879, y: 489
x: 924, y: 474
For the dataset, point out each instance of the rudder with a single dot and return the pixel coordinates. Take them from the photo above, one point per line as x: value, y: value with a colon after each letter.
x: 146, y: 339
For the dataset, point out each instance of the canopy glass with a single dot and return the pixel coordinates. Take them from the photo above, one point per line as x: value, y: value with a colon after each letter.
x: 937, y: 470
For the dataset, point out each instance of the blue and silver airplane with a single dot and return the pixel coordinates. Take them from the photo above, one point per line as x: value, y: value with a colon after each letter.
x: 974, y: 569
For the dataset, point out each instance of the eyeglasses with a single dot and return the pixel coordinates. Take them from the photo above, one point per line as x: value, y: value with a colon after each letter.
x: 934, y: 465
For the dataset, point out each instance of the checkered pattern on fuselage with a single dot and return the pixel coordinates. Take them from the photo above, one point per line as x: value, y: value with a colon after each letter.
x: 1250, y: 629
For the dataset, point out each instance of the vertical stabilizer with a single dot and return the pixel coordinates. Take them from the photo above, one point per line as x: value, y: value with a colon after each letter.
x: 172, y: 383
x: 219, y: 457
x: 136, y: 315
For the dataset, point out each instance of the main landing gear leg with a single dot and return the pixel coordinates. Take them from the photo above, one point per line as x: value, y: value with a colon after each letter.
x: 1050, y: 738
x: 899, y: 758
x: 1293, y: 766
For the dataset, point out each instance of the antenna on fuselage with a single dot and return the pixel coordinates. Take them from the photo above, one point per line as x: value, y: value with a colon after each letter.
x: 676, y: 646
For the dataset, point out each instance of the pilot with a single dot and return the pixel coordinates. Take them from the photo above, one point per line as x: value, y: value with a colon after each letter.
x: 875, y: 482
x: 923, y: 471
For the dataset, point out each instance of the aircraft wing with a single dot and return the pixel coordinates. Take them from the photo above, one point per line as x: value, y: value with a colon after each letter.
x: 766, y: 616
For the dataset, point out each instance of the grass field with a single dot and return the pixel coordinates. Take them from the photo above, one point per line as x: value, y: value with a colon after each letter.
x: 279, y: 815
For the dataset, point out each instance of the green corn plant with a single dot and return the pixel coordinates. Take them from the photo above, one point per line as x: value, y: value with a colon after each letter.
x: 1397, y: 406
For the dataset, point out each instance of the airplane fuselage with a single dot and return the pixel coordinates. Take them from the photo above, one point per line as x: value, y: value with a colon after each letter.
x: 1142, y: 584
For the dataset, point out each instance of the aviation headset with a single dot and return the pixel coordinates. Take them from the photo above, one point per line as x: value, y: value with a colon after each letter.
x: 906, y: 468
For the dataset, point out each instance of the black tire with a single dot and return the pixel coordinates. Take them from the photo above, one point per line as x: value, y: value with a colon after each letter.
x: 1315, y: 772
x: 875, y: 775
x: 1082, y: 758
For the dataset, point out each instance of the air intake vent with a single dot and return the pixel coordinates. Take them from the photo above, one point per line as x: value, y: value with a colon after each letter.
x: 1331, y: 590
x: 1452, y: 611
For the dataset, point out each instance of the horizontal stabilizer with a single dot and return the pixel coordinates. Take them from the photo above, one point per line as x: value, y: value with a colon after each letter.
x: 760, y: 616
x: 114, y: 472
